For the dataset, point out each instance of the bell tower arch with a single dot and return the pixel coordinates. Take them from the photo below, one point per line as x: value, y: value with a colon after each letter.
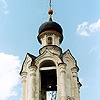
x: 48, y: 77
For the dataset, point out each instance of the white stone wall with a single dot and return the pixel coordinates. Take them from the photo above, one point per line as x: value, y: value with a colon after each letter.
x: 66, y: 68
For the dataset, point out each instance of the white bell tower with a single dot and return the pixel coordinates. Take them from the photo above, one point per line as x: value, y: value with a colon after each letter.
x: 52, y: 75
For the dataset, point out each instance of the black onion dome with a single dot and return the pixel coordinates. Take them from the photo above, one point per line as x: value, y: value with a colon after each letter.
x: 50, y: 25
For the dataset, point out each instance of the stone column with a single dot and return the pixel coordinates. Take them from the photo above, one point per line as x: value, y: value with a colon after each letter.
x: 32, y: 82
x: 62, y: 81
x: 76, y: 90
x: 24, y: 85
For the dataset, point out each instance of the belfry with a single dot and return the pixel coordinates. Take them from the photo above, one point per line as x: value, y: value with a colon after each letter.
x: 52, y: 75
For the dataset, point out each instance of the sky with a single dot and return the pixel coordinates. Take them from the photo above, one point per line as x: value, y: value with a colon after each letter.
x: 19, y: 24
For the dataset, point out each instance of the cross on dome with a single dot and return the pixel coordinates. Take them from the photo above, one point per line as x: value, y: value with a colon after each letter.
x: 50, y: 12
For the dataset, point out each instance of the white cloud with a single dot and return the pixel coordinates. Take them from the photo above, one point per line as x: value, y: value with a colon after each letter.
x: 99, y: 54
x: 85, y: 29
x: 95, y: 50
x: 5, y: 7
x: 84, y: 33
x: 5, y: 4
x: 9, y: 75
x: 84, y: 85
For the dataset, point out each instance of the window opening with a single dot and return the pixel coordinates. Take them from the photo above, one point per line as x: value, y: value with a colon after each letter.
x: 49, y: 40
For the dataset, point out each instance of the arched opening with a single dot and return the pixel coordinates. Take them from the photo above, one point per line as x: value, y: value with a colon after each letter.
x: 48, y: 80
x: 49, y: 40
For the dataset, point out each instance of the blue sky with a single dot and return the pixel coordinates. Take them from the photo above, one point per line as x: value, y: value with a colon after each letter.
x: 19, y: 24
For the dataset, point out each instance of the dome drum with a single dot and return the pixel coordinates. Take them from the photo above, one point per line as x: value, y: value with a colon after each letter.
x: 50, y: 33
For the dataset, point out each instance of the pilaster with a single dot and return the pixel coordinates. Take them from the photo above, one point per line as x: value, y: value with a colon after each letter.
x: 62, y: 81
x: 32, y: 82
x: 24, y: 85
x: 75, y: 76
